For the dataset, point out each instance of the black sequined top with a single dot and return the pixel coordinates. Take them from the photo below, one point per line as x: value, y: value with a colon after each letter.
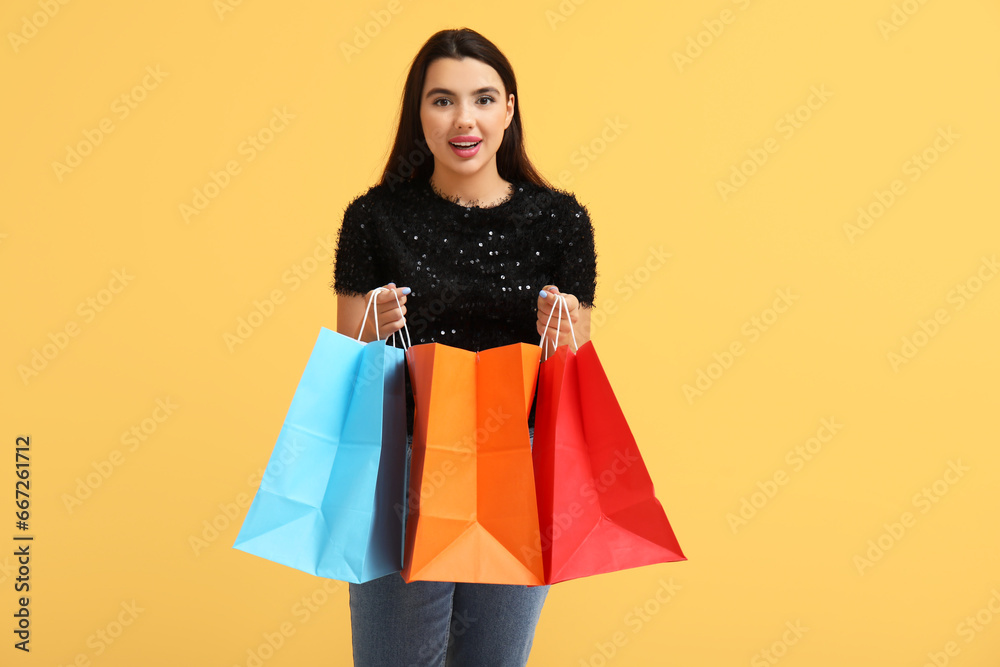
x: 475, y: 273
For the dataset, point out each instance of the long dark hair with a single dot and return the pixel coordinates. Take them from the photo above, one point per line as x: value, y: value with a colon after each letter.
x: 410, y: 157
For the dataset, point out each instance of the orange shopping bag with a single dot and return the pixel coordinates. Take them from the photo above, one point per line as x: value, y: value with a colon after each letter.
x: 472, y: 510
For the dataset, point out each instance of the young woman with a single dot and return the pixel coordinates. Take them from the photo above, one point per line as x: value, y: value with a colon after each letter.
x: 479, y: 241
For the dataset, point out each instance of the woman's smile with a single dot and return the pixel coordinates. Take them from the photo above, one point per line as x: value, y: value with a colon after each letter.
x: 466, y: 146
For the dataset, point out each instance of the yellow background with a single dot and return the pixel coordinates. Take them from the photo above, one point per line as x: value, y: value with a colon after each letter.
x: 682, y: 127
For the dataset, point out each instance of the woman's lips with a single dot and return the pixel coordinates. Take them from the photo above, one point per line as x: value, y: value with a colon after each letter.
x: 466, y: 152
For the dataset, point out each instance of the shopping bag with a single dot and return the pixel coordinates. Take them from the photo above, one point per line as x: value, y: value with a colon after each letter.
x: 327, y: 501
x: 472, y: 515
x: 596, y: 504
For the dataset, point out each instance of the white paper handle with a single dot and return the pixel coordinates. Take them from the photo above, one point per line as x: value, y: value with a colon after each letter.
x: 561, y: 305
x: 371, y: 301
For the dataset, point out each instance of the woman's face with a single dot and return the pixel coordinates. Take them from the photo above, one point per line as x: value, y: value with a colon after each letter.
x: 463, y: 101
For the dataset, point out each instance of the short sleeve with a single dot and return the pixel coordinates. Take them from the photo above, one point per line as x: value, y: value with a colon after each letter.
x: 356, y: 261
x: 577, y: 268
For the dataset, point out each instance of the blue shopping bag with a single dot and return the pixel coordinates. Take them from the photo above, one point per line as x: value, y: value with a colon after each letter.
x: 329, y: 498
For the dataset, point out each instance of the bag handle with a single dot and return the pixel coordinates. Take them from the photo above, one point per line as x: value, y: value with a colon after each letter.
x: 371, y: 301
x: 561, y: 305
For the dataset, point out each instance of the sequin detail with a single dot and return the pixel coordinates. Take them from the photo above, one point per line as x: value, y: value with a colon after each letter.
x: 470, y: 287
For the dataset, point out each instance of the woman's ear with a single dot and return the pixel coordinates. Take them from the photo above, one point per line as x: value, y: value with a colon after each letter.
x: 510, y: 110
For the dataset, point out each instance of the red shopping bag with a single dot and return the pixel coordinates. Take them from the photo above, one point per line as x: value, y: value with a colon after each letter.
x: 596, y: 504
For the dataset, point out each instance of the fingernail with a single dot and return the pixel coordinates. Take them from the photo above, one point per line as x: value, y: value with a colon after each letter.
x: 543, y: 294
x: 553, y: 289
x: 393, y: 284
x: 406, y: 290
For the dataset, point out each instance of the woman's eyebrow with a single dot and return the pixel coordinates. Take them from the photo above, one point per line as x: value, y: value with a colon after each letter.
x: 478, y: 91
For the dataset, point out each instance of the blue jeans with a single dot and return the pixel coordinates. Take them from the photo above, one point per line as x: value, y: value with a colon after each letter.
x: 443, y: 624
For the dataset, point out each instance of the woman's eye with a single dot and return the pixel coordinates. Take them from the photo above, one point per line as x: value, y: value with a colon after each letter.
x: 444, y: 101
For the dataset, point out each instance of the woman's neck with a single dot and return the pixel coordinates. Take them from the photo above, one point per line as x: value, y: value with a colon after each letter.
x: 476, y: 190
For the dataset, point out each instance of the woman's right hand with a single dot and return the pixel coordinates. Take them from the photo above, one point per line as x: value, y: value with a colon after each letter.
x: 391, y: 316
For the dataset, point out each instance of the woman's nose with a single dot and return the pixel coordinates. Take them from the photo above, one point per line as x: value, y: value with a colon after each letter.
x: 463, y: 116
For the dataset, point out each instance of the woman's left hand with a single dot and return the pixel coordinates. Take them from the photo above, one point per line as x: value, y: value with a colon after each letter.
x: 545, y: 306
